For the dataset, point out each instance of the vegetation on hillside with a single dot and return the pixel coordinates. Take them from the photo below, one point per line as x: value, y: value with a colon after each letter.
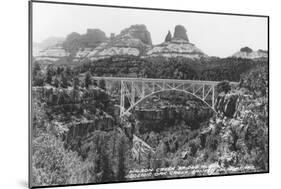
x: 78, y: 136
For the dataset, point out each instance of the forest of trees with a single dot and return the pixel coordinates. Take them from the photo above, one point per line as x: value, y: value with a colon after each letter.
x: 77, y: 137
x: 61, y: 103
x: 214, y: 69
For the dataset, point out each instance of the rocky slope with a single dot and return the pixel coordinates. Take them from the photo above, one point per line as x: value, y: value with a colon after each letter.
x: 176, y: 46
x: 248, y: 53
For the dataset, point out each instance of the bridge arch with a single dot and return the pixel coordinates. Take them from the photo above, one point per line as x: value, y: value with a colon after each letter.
x: 164, y: 90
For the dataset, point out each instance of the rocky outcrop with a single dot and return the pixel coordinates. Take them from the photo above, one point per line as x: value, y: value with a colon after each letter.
x: 248, y: 53
x: 168, y: 37
x: 226, y: 104
x: 180, y: 33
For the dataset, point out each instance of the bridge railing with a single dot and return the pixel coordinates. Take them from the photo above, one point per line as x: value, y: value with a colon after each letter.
x: 159, y: 80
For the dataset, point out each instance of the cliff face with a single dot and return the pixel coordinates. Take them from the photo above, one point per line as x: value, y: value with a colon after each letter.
x: 158, y: 119
x: 227, y: 104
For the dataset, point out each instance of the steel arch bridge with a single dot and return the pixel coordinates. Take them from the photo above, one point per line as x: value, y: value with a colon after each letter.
x: 138, y: 89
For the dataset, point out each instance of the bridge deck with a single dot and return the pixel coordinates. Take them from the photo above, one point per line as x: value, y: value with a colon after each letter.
x: 160, y: 80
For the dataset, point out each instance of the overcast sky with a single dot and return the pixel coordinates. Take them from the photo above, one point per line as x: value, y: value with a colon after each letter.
x: 216, y: 35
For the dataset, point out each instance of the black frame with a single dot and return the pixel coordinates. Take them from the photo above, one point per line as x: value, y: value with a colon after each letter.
x: 30, y: 47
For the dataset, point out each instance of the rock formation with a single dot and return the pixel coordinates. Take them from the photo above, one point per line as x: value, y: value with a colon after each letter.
x: 168, y: 37
x: 138, y: 32
x: 180, y: 33
x: 93, y: 37
x: 133, y: 41
x: 226, y: 104
x: 176, y: 46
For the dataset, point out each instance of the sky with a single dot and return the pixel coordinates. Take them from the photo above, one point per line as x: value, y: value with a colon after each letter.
x: 215, y: 35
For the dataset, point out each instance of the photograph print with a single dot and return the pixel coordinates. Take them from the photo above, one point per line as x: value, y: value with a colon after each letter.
x: 122, y: 94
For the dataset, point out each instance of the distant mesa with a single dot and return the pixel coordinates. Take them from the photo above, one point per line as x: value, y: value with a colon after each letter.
x: 248, y: 53
x: 50, y: 41
x: 47, y: 43
x: 176, y: 46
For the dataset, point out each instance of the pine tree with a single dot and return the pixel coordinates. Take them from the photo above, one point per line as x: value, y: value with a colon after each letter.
x: 64, y: 82
x: 149, y: 157
x: 36, y: 69
x: 49, y: 75
x: 106, y: 169
x: 88, y: 80
x: 56, y: 82
x: 102, y: 84
x: 76, y: 83
x: 121, y: 170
